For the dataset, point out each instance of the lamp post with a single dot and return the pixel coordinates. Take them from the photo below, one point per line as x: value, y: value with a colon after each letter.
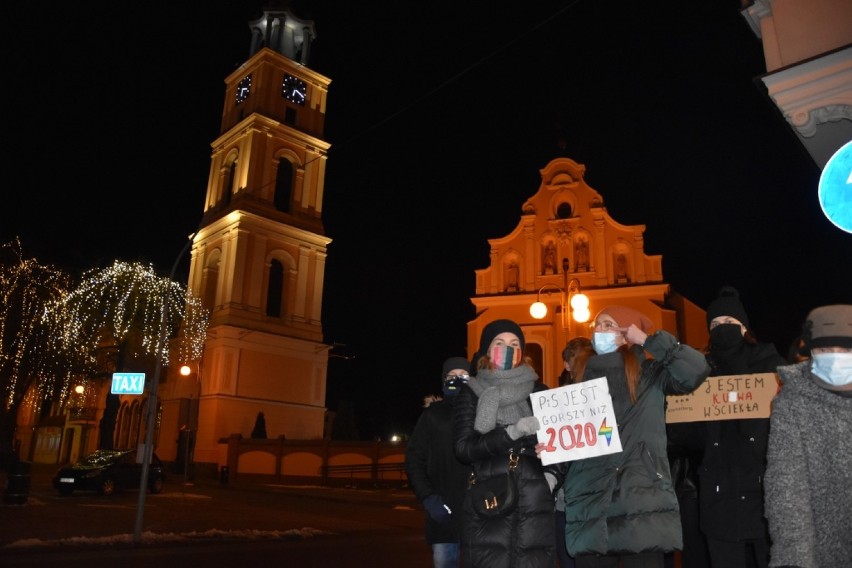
x: 192, y: 421
x: 152, y: 403
x: 571, y: 295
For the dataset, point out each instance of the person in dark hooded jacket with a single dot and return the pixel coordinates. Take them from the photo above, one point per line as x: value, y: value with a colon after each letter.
x: 494, y: 420
x: 437, y: 478
x: 730, y: 491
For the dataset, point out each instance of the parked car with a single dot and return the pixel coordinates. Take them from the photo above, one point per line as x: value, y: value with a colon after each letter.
x: 108, y: 471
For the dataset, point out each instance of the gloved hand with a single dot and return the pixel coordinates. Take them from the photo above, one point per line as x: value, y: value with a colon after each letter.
x: 436, y: 508
x: 525, y: 426
x: 551, y: 480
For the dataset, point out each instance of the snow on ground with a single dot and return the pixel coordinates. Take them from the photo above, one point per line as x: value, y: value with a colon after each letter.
x: 159, y: 538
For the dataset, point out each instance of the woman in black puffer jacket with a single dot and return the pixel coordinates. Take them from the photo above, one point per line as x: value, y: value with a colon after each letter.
x: 492, y: 420
x: 732, y: 468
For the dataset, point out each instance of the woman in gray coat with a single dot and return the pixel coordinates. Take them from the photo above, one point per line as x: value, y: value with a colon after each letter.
x: 622, y: 507
x: 809, y: 470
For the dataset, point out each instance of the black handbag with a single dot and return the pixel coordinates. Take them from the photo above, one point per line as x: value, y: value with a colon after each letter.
x: 495, y: 496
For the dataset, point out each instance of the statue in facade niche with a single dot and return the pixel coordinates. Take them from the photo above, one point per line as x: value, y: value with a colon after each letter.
x: 512, y: 277
x: 549, y: 258
x: 581, y: 253
x: 621, y: 268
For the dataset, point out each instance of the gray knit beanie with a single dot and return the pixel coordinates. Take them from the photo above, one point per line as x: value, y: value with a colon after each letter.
x: 828, y: 326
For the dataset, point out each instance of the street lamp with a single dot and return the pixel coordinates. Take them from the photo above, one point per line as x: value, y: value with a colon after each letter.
x: 579, y: 303
x: 570, y: 295
x: 152, y: 402
x: 538, y: 309
x: 191, y: 430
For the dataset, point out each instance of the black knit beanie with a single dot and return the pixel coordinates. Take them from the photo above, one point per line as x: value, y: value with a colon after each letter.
x: 489, y: 332
x: 495, y: 328
x: 455, y: 363
x: 727, y: 304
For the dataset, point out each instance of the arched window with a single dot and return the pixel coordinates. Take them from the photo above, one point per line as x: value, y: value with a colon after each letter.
x: 122, y: 437
x: 210, y: 279
x: 275, y: 289
x: 228, y: 182
x: 283, y: 185
x: 534, y: 352
x: 135, y: 424
x: 563, y: 211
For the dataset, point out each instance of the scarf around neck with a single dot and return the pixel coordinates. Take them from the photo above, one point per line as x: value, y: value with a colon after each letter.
x: 730, y: 360
x: 502, y: 396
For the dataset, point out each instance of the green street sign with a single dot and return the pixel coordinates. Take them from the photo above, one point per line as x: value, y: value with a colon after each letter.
x: 128, y: 383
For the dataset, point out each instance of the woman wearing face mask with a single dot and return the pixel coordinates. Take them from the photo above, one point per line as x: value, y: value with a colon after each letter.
x: 492, y: 420
x: 809, y: 463
x: 730, y: 491
x: 621, y: 509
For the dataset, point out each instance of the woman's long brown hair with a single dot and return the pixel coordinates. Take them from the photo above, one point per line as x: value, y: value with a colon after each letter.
x: 632, y: 368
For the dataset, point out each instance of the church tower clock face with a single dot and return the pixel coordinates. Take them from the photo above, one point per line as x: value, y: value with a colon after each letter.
x: 294, y: 89
x: 243, y: 88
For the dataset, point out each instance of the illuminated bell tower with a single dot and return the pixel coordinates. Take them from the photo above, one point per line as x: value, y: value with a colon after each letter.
x: 258, y: 258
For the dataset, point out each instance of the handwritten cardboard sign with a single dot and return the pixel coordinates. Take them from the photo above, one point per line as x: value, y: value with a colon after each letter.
x: 730, y: 397
x: 577, y: 421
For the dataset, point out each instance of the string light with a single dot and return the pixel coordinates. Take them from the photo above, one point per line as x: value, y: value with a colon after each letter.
x: 50, y: 333
x: 127, y: 302
x: 27, y: 289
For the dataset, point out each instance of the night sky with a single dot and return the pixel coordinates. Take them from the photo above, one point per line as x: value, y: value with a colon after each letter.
x: 440, y: 117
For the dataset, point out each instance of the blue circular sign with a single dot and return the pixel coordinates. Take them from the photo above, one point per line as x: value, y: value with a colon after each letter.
x: 835, y: 188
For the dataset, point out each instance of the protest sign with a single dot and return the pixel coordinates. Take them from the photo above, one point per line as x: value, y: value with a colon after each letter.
x: 729, y: 397
x: 577, y: 421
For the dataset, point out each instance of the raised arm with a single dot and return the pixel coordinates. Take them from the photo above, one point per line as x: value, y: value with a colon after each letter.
x: 684, y: 368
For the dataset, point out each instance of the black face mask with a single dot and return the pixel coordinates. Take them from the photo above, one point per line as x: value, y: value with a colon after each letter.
x: 726, y: 335
x: 452, y: 386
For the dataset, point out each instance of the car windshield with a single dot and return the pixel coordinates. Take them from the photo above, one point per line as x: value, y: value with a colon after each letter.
x: 100, y: 458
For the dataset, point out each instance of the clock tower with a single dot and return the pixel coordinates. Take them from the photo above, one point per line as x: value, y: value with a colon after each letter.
x: 258, y: 258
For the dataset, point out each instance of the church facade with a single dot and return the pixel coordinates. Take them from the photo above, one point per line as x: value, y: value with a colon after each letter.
x: 566, y: 243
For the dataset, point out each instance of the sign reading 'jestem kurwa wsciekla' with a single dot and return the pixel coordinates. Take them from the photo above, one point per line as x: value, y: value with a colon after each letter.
x: 730, y: 397
x: 577, y: 421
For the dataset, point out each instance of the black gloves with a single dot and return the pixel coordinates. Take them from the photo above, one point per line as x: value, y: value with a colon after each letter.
x: 436, y: 508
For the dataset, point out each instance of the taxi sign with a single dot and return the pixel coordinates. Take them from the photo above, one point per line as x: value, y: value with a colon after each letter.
x: 128, y: 383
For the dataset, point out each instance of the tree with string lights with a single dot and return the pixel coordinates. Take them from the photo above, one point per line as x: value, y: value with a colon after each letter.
x: 53, y: 335
x: 125, y: 310
x: 34, y: 367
